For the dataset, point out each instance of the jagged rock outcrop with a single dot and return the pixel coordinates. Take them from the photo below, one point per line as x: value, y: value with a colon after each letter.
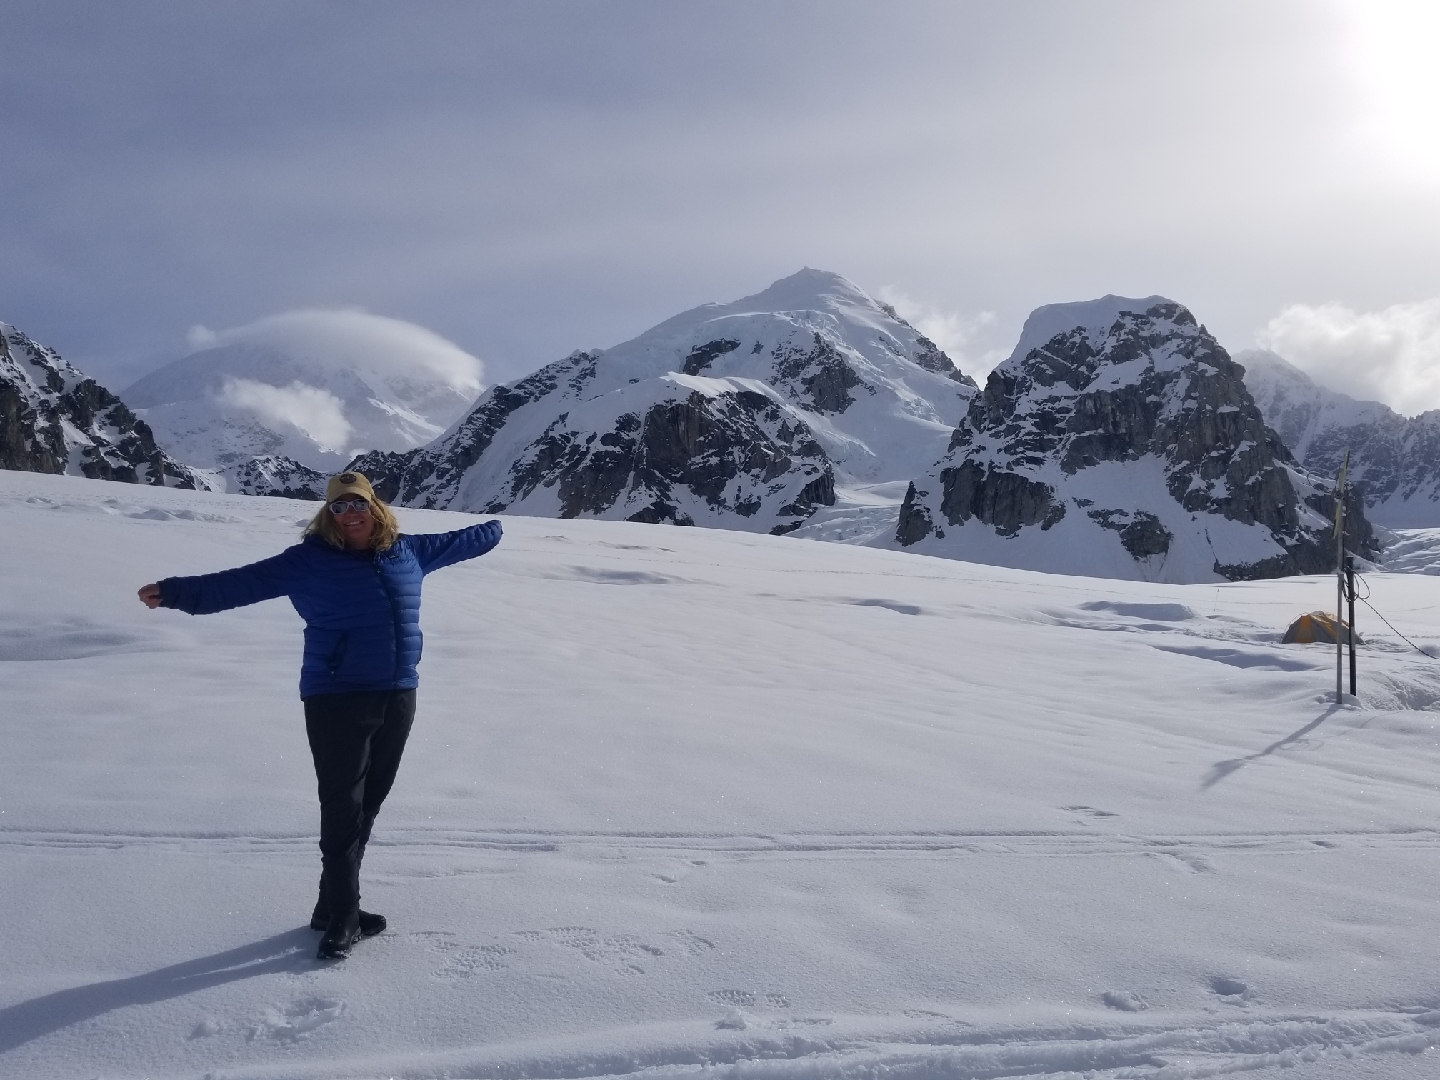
x: 53, y: 419
x: 681, y: 449
x: 1120, y: 440
x: 748, y: 415
x: 278, y: 475
x: 1394, y: 459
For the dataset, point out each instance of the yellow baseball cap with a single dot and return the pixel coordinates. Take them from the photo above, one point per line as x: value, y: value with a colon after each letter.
x: 349, y: 483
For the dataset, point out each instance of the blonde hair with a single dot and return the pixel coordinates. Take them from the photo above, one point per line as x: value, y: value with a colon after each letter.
x: 386, y: 533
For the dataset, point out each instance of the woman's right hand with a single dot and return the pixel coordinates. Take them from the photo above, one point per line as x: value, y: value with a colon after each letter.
x: 150, y: 595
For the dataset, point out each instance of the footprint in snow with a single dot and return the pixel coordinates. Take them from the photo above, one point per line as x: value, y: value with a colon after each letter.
x: 1189, y: 863
x: 299, y: 1018
x: 470, y: 960
x: 1230, y: 990
x: 207, y: 1027
x: 1089, y: 812
x: 1124, y: 1000
x: 625, y: 951
x: 749, y: 999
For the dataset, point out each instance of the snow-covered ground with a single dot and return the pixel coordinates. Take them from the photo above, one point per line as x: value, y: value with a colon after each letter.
x: 704, y: 803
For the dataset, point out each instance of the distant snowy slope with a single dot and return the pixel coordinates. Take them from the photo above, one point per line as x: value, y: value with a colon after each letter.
x: 1413, y: 551
x: 699, y: 804
x: 281, y: 402
x: 53, y: 419
x: 1119, y: 440
x: 1396, y: 459
x: 746, y: 415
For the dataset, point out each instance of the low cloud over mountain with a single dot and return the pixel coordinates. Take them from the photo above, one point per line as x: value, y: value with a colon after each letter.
x: 1391, y: 355
x: 299, y: 394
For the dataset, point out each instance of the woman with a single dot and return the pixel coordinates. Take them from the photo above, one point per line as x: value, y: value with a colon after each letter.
x: 355, y: 580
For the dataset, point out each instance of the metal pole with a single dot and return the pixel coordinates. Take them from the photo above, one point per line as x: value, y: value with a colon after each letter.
x: 1340, y: 576
x: 1350, y: 594
x: 1339, y: 600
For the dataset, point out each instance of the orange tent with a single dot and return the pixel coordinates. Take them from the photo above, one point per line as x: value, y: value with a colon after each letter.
x: 1318, y: 626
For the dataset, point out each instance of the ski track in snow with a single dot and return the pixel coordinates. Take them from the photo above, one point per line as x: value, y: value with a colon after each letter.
x: 627, y: 845
x: 714, y: 805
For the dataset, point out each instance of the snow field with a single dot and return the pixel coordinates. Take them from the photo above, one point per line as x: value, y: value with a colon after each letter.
x: 682, y: 801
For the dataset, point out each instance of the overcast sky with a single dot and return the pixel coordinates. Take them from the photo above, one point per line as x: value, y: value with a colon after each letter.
x: 529, y: 178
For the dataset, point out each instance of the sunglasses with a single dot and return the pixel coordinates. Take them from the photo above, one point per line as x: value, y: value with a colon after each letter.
x: 339, y: 506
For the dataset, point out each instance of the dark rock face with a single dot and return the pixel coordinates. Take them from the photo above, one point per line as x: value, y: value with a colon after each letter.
x: 930, y: 357
x: 731, y: 451
x: 915, y: 523
x: 737, y: 453
x: 55, y: 420
x: 702, y: 356
x: 1002, y: 499
x: 280, y: 476
x: 1153, y: 385
x: 818, y: 378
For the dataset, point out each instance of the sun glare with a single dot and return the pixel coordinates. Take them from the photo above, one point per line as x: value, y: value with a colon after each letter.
x: 1394, y: 44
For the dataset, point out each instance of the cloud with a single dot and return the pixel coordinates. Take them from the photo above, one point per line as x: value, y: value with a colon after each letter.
x: 953, y: 332
x: 318, y: 413
x: 1392, y: 355
x: 351, y: 339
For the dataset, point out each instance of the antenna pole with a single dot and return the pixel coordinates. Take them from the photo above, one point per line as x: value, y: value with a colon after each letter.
x: 1350, y: 595
x: 1340, y: 579
x: 1339, y: 604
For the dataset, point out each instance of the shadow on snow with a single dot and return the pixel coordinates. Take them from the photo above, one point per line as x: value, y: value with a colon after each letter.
x: 40, y: 1016
x: 1221, y: 769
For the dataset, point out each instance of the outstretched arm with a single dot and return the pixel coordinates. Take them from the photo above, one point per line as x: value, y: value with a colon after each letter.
x: 207, y: 593
x: 434, y: 550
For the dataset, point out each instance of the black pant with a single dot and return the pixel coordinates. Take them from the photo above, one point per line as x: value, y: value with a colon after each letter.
x: 356, y: 740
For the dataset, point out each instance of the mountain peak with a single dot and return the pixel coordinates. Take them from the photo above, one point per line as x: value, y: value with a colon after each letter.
x: 1094, y: 316
x: 741, y: 415
x: 1120, y: 440
x: 54, y: 419
x: 807, y: 289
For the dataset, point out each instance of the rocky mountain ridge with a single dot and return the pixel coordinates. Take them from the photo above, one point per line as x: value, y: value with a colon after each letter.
x: 1394, y: 459
x: 1119, y: 440
x: 54, y: 419
x: 747, y: 415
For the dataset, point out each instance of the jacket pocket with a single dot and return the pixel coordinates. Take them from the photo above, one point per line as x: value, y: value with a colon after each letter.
x: 337, y: 654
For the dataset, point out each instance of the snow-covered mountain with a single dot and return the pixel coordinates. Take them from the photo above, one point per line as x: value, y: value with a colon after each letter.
x: 1395, y: 459
x: 53, y: 419
x: 746, y: 415
x: 1119, y: 440
x: 275, y: 406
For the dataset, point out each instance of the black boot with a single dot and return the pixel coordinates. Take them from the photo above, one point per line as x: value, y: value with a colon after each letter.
x: 340, y: 936
x: 370, y: 923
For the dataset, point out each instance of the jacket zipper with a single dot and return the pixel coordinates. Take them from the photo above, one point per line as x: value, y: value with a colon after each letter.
x: 337, y: 654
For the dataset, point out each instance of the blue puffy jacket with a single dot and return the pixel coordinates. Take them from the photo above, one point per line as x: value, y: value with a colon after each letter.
x: 361, y: 608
